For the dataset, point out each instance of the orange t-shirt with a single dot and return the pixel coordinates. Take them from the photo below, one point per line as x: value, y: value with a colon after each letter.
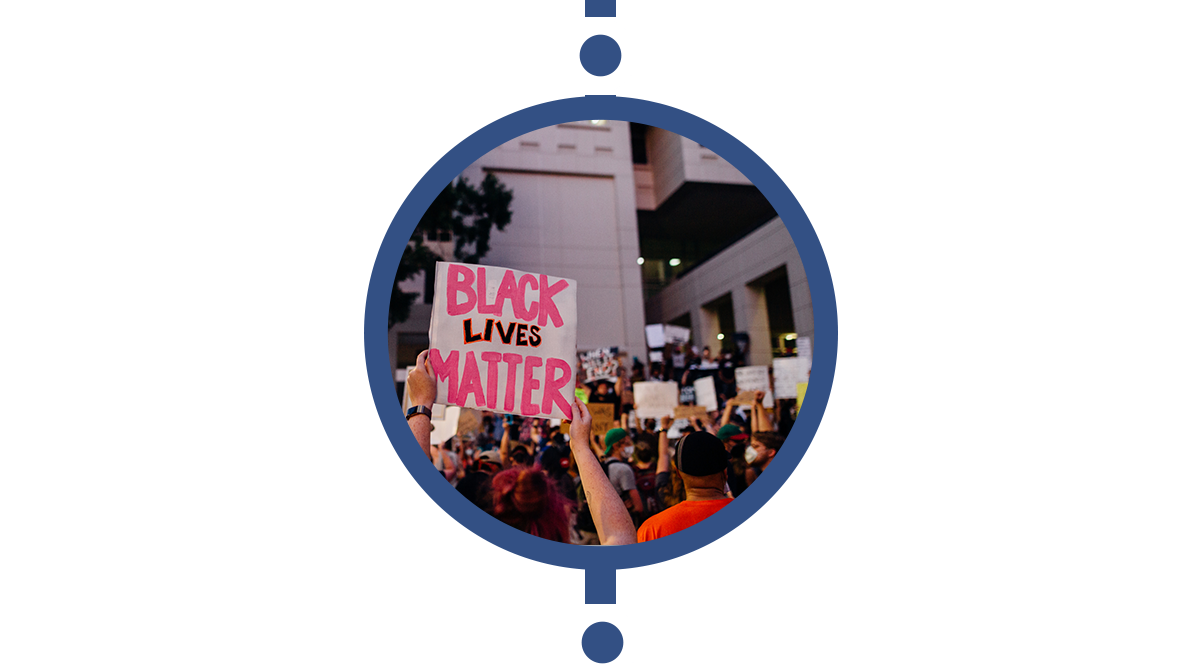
x: 678, y: 517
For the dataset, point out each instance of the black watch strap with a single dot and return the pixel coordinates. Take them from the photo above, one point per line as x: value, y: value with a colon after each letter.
x: 419, y: 411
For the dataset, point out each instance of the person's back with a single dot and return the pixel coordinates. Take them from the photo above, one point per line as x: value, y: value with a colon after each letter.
x: 701, y: 460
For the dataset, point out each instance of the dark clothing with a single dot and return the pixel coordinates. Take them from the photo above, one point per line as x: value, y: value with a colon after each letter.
x: 477, y: 487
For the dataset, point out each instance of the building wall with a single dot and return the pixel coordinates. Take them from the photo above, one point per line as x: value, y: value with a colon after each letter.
x: 574, y: 215
x: 675, y: 159
x: 736, y: 272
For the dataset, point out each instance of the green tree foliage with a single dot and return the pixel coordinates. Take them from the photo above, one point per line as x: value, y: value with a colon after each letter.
x: 470, y: 214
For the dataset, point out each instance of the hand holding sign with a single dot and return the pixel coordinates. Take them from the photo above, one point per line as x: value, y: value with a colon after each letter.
x: 503, y: 340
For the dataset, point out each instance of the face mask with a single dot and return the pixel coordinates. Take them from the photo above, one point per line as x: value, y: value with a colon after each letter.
x: 751, y: 455
x: 627, y: 450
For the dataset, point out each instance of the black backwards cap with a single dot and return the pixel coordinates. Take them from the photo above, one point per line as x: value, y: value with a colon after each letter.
x: 700, y: 454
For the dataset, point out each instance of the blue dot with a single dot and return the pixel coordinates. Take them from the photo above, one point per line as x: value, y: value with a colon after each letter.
x: 600, y: 55
x: 602, y: 642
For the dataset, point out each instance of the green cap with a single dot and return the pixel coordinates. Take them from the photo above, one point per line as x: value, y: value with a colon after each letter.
x: 730, y: 431
x: 614, y: 435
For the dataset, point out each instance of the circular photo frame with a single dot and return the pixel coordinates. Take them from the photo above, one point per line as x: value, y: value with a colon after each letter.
x: 600, y: 562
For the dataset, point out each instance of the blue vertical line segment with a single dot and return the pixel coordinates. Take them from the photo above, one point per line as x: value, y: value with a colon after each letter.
x: 600, y: 586
x: 600, y: 8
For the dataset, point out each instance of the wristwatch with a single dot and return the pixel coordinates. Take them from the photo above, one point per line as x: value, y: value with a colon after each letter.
x: 418, y: 411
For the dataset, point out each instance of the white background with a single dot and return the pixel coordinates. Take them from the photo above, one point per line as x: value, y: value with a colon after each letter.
x: 192, y: 198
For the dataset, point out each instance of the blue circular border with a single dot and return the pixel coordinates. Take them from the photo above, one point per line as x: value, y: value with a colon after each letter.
x: 375, y: 336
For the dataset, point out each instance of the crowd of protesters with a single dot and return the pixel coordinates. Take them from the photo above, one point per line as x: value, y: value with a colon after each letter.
x: 642, y: 480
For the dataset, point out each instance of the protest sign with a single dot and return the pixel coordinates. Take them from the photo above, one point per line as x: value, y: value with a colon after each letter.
x: 676, y: 429
x: 755, y: 377
x: 801, y: 389
x: 743, y: 398
x: 676, y: 334
x: 469, y: 422
x: 602, y: 417
x: 789, y: 372
x: 503, y: 340
x: 687, y: 395
x: 804, y: 347
x: 656, y: 356
x: 600, y: 364
x: 444, y: 427
x: 655, y: 337
x: 706, y: 393
x: 686, y: 412
x: 655, y: 399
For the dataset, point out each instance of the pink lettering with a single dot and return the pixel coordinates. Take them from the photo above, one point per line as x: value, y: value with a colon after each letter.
x: 458, y: 280
x: 510, y: 386
x: 554, y: 384
x: 492, y: 358
x: 546, y: 301
x: 508, y: 291
x: 522, y: 311
x: 470, y: 384
x: 446, y: 370
x: 528, y: 385
x: 485, y: 308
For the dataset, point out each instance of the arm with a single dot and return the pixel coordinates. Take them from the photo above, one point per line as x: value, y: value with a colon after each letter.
x: 613, y: 523
x: 504, y: 445
x: 422, y: 389
x: 664, y: 449
x: 761, y: 421
x: 636, y: 498
x: 728, y: 413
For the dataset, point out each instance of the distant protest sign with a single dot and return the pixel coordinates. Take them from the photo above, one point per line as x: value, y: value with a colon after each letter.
x: 706, y: 393
x: 503, y: 340
x: 691, y: 412
x: 659, y: 335
x: 655, y: 399
x: 655, y: 337
x: 445, y: 427
x: 469, y: 422
x: 789, y: 372
x: 602, y: 417
x: 687, y: 395
x: 600, y: 364
x: 755, y: 377
x: 804, y: 347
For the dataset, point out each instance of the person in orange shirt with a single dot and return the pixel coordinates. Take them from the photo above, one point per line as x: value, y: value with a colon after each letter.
x: 702, y: 462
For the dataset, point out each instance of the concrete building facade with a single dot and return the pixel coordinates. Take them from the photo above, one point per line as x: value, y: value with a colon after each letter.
x: 655, y: 228
x: 733, y: 291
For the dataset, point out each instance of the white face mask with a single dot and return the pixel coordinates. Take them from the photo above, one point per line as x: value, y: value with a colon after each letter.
x: 628, y: 450
x: 751, y: 455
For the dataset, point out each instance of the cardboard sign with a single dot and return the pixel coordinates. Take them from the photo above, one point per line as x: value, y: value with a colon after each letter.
x: 601, y: 364
x: 755, y: 377
x: 744, y: 398
x: 789, y: 372
x: 503, y: 340
x: 602, y: 418
x: 469, y: 422
x: 686, y: 412
x: 706, y: 393
x: 655, y: 399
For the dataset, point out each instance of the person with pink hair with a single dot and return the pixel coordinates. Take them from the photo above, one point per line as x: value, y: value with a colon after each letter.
x: 524, y: 497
